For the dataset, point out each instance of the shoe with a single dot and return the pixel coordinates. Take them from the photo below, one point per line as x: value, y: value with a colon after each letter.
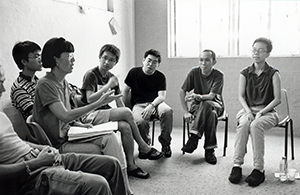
x: 210, y: 157
x: 153, y: 154
x: 235, y: 175
x: 166, y: 151
x: 138, y: 172
x: 190, y: 145
x: 255, y: 178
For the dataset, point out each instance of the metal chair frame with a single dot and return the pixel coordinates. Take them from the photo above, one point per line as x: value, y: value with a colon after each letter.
x: 224, y: 117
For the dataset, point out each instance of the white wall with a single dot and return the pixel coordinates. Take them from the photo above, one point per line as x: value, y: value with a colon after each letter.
x: 40, y: 20
x: 151, y: 28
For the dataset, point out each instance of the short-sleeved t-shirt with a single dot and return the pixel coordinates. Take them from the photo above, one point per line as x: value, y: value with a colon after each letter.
x: 93, y: 80
x: 201, y: 84
x: 12, y: 148
x: 144, y: 88
x: 49, y: 91
x: 22, y: 93
x: 259, y: 89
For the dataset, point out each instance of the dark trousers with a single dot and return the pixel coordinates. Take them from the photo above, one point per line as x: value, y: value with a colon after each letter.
x: 205, y: 122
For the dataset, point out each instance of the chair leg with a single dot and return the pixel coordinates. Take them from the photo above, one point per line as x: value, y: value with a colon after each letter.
x: 183, y: 134
x: 286, y: 140
x: 153, y: 130
x: 225, y: 137
x: 292, y: 139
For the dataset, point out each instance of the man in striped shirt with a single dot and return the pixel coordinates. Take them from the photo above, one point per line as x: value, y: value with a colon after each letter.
x: 27, y: 56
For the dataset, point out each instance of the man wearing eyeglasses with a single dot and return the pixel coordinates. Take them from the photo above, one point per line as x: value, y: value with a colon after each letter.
x: 147, y: 87
x: 27, y: 56
x: 97, y: 81
x: 27, y: 168
x: 259, y: 94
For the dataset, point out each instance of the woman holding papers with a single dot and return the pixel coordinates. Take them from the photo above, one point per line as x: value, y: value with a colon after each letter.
x: 53, y: 112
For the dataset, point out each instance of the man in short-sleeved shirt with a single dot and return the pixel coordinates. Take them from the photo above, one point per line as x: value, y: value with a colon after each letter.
x: 147, y: 87
x: 28, y: 59
x: 92, y: 80
x: 27, y: 168
x: 207, y: 104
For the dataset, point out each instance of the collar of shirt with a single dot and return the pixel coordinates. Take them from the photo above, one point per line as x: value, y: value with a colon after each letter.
x: 252, y: 68
x: 28, y: 78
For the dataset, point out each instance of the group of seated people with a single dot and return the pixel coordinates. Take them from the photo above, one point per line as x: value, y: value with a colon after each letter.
x: 106, y: 163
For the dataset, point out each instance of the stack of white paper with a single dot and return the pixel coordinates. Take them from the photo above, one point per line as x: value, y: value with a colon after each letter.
x: 76, y: 133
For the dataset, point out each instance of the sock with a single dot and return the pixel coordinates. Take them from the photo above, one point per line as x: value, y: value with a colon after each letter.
x: 237, y: 165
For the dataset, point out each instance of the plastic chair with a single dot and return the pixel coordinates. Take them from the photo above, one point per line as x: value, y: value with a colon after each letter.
x: 284, y: 122
x: 37, y: 134
x: 224, y: 117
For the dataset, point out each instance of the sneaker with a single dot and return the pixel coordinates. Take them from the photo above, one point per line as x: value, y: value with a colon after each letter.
x: 190, y: 145
x: 210, y: 157
x: 166, y: 150
x: 235, y: 175
x: 255, y: 178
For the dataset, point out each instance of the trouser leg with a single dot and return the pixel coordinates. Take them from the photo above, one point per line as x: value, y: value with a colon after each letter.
x: 257, y: 132
x: 241, y: 137
x: 142, y: 124
x: 105, y: 166
x: 210, y: 141
x: 206, y: 122
x: 165, y: 115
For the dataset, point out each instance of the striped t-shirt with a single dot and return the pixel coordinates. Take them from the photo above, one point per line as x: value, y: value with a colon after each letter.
x: 22, y: 94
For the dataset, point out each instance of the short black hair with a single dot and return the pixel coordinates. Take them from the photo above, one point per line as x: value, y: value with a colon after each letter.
x: 213, y: 54
x: 267, y: 41
x: 153, y: 52
x: 112, y: 49
x: 54, y: 47
x: 21, y: 50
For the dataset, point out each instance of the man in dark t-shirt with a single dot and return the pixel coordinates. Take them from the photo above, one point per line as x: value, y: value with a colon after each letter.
x: 203, y: 87
x: 147, y: 87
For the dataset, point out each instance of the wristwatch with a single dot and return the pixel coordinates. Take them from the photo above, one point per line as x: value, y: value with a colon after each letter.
x: 198, y: 98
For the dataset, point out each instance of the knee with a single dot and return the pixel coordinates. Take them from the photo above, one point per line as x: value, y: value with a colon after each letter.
x: 206, y: 106
x: 126, y: 112
x: 256, y: 127
x: 96, y: 185
x: 124, y: 127
x: 167, y: 112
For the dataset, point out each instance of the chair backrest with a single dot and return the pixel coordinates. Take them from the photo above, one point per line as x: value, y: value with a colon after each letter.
x: 127, y: 100
x: 37, y: 134
x: 17, y: 120
x: 283, y: 108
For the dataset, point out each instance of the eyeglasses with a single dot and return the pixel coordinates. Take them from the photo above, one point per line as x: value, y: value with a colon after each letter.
x: 259, y: 51
x: 110, y: 60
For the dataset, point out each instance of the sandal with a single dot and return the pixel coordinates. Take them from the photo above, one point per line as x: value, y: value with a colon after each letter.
x: 138, y: 172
